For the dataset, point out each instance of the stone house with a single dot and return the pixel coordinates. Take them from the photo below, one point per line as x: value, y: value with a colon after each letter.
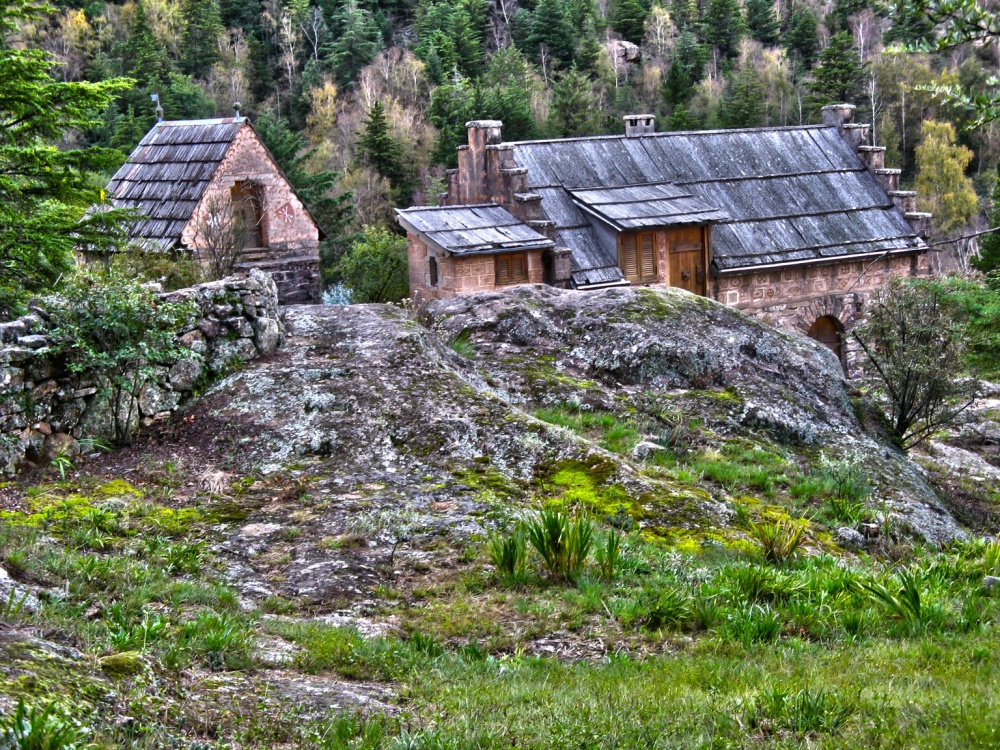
x: 192, y: 179
x: 797, y: 226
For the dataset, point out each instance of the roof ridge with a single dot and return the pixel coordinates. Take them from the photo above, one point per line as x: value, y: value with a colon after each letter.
x: 668, y: 133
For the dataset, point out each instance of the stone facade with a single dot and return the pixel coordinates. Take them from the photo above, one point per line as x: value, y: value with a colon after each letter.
x: 290, y: 252
x: 457, y: 274
x: 45, y: 410
x: 795, y: 298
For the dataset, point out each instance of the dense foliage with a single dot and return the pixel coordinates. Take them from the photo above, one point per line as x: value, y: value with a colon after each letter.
x: 375, y: 268
x: 107, y: 327
x: 44, y: 189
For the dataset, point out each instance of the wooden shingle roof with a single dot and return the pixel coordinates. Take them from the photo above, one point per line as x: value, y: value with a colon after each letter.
x: 795, y: 194
x: 167, y: 174
x: 472, y: 229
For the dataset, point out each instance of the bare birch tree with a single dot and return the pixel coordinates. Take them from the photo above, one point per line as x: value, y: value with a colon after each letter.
x: 222, y: 235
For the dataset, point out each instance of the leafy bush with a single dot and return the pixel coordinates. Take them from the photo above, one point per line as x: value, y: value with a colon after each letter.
x: 107, y: 327
x: 563, y: 543
x: 375, y: 269
x: 778, y: 540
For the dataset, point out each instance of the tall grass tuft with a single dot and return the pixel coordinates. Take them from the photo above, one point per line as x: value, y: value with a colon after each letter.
x: 608, y: 553
x: 903, y: 599
x: 36, y: 728
x: 564, y: 544
x: 509, y: 554
x: 991, y: 558
x: 778, y: 540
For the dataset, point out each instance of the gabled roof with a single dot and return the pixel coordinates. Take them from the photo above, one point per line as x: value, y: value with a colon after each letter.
x: 659, y: 204
x: 796, y: 194
x: 167, y: 174
x: 472, y: 229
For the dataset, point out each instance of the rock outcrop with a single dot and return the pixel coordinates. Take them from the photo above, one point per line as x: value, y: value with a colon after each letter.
x: 432, y: 426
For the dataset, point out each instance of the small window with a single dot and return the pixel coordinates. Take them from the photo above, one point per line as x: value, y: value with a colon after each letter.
x: 512, y: 268
x: 432, y: 267
x: 637, y: 257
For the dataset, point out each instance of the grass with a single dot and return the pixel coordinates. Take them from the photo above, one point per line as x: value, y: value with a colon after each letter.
x: 719, y: 648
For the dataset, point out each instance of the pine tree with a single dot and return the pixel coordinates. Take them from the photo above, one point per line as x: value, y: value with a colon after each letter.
x: 743, y: 101
x: 762, y: 21
x: 316, y: 189
x: 450, y: 108
x: 356, y: 41
x: 682, y: 119
x: 685, y: 13
x: 723, y: 26
x: 591, y: 49
x: 469, y: 52
x: 44, y: 190
x: 687, y: 66
x: 552, y: 28
x: 989, y: 245
x: 574, y: 107
x: 802, y: 39
x: 941, y: 180
x: 383, y: 153
x: 144, y: 59
x: 202, y: 26
x: 910, y: 25
x: 839, y: 73
x: 629, y: 20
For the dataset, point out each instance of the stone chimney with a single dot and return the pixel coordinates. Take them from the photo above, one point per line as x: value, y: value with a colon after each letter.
x: 639, y: 125
x: 472, y: 186
x: 857, y: 136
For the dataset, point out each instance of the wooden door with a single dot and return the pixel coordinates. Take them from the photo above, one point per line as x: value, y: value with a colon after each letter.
x: 827, y: 331
x: 687, y: 259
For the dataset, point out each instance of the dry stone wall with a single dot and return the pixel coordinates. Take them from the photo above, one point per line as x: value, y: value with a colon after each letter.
x: 45, y: 410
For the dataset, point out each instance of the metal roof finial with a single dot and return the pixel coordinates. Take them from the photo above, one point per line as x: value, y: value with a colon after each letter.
x: 236, y: 109
x: 159, y: 109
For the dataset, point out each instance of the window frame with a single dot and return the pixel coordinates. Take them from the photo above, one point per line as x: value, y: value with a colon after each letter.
x: 636, y: 237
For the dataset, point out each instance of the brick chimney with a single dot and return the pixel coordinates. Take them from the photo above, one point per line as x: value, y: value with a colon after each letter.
x: 472, y: 186
x: 857, y: 136
x: 639, y: 125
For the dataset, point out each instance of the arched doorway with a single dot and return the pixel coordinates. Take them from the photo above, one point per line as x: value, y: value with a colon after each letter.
x: 827, y: 330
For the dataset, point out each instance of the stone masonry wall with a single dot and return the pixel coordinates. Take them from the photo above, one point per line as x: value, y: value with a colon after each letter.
x: 459, y: 275
x: 45, y: 410
x: 794, y: 298
x: 291, y: 237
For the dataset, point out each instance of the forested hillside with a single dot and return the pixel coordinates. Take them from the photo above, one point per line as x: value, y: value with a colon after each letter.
x: 365, y: 100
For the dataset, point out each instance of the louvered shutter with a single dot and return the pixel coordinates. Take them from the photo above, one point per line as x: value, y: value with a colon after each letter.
x: 503, y: 269
x: 647, y: 258
x: 517, y: 270
x: 628, y: 259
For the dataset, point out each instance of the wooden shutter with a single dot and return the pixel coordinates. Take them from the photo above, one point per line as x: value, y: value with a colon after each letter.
x: 512, y: 268
x: 647, y: 257
x: 627, y: 257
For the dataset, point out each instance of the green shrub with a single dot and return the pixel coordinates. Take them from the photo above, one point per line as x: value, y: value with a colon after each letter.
x: 375, y: 268
x: 114, y: 330
x: 563, y: 543
x: 903, y: 598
